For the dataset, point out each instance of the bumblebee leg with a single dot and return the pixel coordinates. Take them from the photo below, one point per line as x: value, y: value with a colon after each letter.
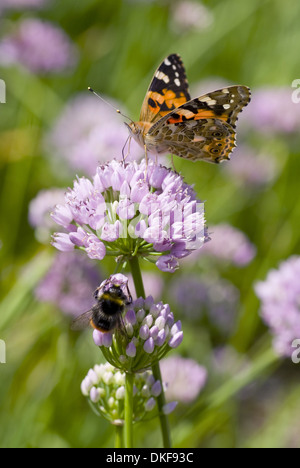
x: 129, y: 295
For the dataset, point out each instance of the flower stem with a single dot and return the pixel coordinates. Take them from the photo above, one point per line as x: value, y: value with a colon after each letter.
x: 137, y: 277
x: 119, y: 437
x: 161, y: 401
x: 128, y: 426
x: 140, y: 292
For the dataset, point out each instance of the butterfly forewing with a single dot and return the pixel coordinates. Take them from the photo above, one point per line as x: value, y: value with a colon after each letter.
x: 168, y: 90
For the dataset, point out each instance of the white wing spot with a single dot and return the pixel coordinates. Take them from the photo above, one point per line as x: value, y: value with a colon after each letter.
x: 177, y: 82
x: 225, y: 91
x: 174, y: 67
x: 161, y: 76
x: 226, y: 106
x: 205, y: 99
x: 167, y: 62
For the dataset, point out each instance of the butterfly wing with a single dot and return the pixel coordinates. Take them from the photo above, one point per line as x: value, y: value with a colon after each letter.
x: 211, y: 140
x: 203, y: 128
x: 167, y: 91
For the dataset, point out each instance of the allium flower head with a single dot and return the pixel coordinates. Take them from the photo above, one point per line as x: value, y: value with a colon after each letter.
x: 228, y: 244
x: 208, y: 299
x: 184, y: 378
x: 86, y: 131
x: 39, y: 46
x: 21, y: 4
x: 273, y: 111
x: 120, y: 213
x: 70, y: 283
x: 149, y: 331
x: 104, y: 386
x: 280, y: 304
x: 248, y: 168
x: 190, y: 15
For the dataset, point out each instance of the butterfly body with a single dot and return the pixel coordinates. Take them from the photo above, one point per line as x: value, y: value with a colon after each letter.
x: 194, y: 129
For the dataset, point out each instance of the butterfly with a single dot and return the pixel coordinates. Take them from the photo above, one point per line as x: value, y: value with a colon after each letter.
x: 194, y: 129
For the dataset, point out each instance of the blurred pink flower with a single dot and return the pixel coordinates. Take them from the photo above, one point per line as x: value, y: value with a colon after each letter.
x: 187, y: 15
x: 21, y: 4
x: 204, y: 298
x: 272, y: 110
x: 86, y: 131
x: 280, y: 304
x: 184, y: 378
x: 251, y: 169
x: 39, y: 46
x: 227, y: 244
x: 70, y: 283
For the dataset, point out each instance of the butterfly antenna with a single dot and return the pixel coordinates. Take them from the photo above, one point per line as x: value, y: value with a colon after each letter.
x: 108, y: 103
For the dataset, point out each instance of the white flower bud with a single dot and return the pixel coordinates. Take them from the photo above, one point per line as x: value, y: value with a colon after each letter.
x: 120, y: 393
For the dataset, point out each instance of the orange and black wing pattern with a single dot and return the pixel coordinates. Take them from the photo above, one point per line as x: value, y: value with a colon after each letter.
x: 203, y: 128
x: 168, y: 90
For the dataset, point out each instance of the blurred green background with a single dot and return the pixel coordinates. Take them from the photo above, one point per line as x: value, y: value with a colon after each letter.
x: 119, y: 45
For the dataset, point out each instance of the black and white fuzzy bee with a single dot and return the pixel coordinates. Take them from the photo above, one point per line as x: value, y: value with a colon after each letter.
x: 113, y: 297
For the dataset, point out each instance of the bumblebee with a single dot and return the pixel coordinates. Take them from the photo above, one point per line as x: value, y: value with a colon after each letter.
x: 112, y: 296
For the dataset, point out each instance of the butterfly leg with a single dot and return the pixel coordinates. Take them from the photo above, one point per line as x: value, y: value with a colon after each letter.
x: 146, y: 161
x: 125, y: 156
x: 173, y: 165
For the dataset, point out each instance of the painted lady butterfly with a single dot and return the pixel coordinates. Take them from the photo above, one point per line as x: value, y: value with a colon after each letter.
x: 194, y: 129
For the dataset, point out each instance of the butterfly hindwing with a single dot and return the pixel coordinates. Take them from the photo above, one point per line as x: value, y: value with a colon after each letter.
x: 203, y: 128
x: 167, y: 91
x: 211, y: 140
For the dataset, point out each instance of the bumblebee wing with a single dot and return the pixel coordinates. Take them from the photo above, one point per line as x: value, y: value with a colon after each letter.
x: 83, y: 321
x: 121, y: 326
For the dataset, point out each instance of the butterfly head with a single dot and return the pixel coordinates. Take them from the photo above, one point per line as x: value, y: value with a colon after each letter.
x: 138, y: 131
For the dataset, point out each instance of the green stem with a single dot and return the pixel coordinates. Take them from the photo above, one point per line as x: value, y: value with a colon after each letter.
x: 161, y: 401
x: 140, y: 292
x: 128, y: 408
x: 137, y: 277
x: 119, y: 437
